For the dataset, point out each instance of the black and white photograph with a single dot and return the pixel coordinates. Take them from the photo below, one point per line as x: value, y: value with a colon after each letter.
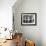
x: 28, y: 18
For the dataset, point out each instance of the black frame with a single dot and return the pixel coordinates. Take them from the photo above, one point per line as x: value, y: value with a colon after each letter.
x: 29, y: 24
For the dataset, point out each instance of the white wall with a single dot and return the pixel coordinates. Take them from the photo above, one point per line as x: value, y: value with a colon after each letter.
x: 30, y: 32
x: 43, y: 22
x: 6, y: 13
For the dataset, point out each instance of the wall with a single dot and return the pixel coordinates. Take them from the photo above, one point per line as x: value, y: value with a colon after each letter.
x: 43, y: 22
x: 29, y: 32
x: 6, y: 13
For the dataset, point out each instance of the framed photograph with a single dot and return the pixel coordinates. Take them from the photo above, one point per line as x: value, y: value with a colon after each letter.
x: 28, y: 19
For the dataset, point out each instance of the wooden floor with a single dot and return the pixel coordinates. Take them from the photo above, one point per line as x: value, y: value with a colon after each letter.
x: 9, y: 43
